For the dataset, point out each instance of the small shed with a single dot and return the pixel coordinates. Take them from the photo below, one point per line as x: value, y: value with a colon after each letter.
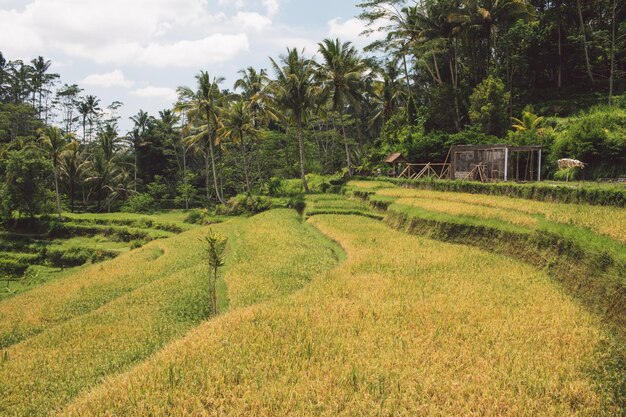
x: 495, y: 162
x: 396, y: 161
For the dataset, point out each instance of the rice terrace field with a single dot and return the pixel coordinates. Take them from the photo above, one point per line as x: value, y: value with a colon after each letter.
x: 373, y: 300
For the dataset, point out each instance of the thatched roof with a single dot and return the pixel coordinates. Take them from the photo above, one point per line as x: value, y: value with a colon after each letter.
x: 396, y: 158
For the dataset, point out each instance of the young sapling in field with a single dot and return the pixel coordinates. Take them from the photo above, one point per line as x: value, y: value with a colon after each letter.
x: 216, y: 246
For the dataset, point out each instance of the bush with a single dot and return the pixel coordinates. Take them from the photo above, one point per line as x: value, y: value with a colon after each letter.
x: 201, y: 217
x: 597, y: 138
x: 274, y: 187
x: 140, y: 203
x: 244, y: 205
x: 488, y: 107
x: 298, y: 204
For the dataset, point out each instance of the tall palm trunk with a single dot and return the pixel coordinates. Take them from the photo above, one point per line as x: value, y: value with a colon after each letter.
x: 584, y: 33
x: 245, y: 164
x: 612, y: 70
x: 345, y: 141
x: 207, y: 182
x: 136, y: 160
x: 56, y: 189
x: 301, y: 151
x: 84, y: 130
x: 220, y: 197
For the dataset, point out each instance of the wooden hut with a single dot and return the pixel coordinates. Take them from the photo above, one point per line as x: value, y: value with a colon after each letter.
x: 495, y: 163
x: 397, y: 161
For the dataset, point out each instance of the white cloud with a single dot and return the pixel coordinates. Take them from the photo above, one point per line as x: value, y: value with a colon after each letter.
x: 216, y: 48
x: 252, y: 20
x: 351, y: 30
x: 110, y: 79
x: 160, y: 93
x: 271, y: 6
x: 112, y: 31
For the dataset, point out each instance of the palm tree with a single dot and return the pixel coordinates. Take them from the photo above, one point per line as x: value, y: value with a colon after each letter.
x: 88, y: 108
x: 295, y: 92
x: 40, y: 78
x: 72, y: 165
x: 341, y: 76
x: 204, y: 109
x: 239, y: 124
x: 142, y: 123
x: 53, y: 142
x: 252, y: 84
x: 102, y: 167
x: 528, y: 122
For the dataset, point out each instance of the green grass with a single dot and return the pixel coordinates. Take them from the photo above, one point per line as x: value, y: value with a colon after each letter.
x: 93, y: 236
x: 317, y: 204
x: 77, y: 353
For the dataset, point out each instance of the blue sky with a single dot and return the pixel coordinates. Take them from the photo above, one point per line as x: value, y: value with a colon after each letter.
x: 139, y: 51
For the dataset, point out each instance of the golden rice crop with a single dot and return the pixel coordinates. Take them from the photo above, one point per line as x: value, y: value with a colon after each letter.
x: 271, y: 254
x: 275, y: 255
x: 465, y: 209
x: 608, y: 221
x: 406, y: 326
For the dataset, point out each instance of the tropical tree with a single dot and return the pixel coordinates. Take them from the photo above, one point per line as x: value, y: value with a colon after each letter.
x: 238, y: 127
x: 102, y: 167
x: 53, y: 143
x: 204, y: 108
x: 293, y: 94
x: 88, y: 108
x: 341, y: 76
x: 142, y: 122
x: 72, y: 166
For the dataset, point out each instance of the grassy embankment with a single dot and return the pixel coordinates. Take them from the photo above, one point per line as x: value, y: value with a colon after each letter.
x: 32, y: 254
x: 76, y: 331
x: 406, y: 326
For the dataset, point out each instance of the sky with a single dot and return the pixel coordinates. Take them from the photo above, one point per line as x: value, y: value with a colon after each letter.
x: 139, y: 51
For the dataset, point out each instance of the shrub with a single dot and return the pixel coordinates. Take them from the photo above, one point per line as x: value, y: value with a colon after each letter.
x: 298, y: 204
x: 274, y: 187
x: 597, y: 138
x: 242, y: 204
x: 139, y: 203
x: 488, y: 107
x: 201, y: 217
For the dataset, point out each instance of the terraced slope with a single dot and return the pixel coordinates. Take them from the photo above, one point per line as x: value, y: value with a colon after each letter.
x: 161, y: 300
x: 406, y: 326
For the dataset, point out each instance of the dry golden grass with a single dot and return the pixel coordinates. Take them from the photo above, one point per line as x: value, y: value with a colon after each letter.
x: 271, y: 255
x: 608, y: 221
x: 405, y: 327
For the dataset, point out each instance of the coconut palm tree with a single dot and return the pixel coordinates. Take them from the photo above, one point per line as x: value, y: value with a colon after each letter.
x: 341, y: 76
x: 88, y: 108
x: 293, y: 94
x: 102, y: 167
x: 204, y: 110
x: 252, y: 84
x: 238, y: 127
x: 142, y: 122
x: 72, y: 166
x: 53, y: 143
